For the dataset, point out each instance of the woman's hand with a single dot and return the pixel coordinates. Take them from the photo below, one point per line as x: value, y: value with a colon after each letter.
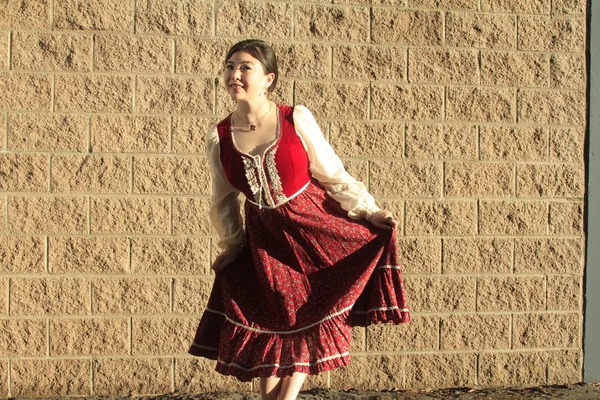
x: 383, y: 219
x: 226, y: 257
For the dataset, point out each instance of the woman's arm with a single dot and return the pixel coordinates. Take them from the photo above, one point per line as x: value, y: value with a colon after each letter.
x: 224, y: 212
x: 328, y: 169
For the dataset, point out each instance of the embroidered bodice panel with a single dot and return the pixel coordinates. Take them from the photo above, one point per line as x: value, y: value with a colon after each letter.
x: 270, y: 179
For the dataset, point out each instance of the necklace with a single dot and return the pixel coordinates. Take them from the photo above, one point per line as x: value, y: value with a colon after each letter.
x: 253, y: 123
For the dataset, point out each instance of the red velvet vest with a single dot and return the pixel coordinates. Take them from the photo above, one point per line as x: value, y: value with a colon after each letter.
x: 271, y: 179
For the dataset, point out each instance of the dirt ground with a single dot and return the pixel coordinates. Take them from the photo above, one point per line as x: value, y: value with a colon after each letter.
x: 578, y: 391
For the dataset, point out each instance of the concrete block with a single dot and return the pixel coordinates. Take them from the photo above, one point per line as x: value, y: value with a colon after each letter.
x: 30, y: 92
x: 421, y: 334
x: 510, y: 369
x: 564, y: 366
x: 130, y: 215
x: 178, y: 17
x: 551, y: 107
x: 333, y: 99
x: 441, y: 141
x: 88, y: 255
x: 174, y: 95
x: 509, y: 217
x: 569, y: 7
x: 511, y: 293
x: 92, y: 15
x: 143, y: 54
x: 546, y: 330
x: 63, y: 214
x: 566, y: 144
x: 406, y: 179
x: 566, y: 218
x: 162, y: 336
x: 129, y: 133
x: 370, y: 63
x: 477, y: 255
x: 24, y: 172
x: 514, y: 143
x: 464, y: 179
x: 567, y: 71
x: 91, y: 174
x: 49, y: 296
x: 22, y: 254
x: 41, y: 51
x: 555, y: 256
x: 189, y: 134
x: 564, y: 292
x: 441, y: 294
x: 190, y: 295
x: 545, y: 33
x: 512, y: 68
x: 27, y: 14
x: 440, y: 370
x: 443, y: 66
x: 441, y: 217
x: 372, y: 372
x: 23, y: 338
x: 420, y: 255
x: 190, y: 217
x: 550, y: 180
x: 198, y: 375
x: 407, y: 102
x: 407, y: 27
x: 48, y: 132
x: 93, y: 93
x: 171, y: 175
x: 481, y: 30
x: 202, y: 56
x: 30, y: 378
x: 249, y: 18
x: 131, y: 295
x: 170, y: 256
x: 475, y: 332
x: 521, y: 7
x: 480, y: 104
x: 331, y: 23
x: 370, y: 139
x: 445, y: 4
x: 89, y: 337
x: 129, y: 377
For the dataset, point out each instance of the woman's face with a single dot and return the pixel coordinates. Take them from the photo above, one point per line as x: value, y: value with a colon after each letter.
x: 245, y: 78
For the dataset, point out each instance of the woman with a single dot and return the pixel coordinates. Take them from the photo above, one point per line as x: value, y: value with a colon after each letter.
x: 317, y: 255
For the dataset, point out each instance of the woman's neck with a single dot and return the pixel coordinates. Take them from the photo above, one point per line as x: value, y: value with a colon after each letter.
x: 251, y: 111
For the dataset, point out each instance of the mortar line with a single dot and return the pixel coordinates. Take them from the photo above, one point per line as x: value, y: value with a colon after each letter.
x: 93, y: 53
x: 513, y: 255
x: 9, y: 378
x: 10, y: 39
x: 48, y: 337
x: 6, y: 131
x: 53, y: 94
x: 510, y: 331
x: 173, y: 55
x: 51, y: 15
x: 173, y: 375
x: 89, y: 134
x: 129, y: 247
x: 442, y: 243
x: 133, y: 100
x: 439, y: 344
x: 130, y: 334
x: 214, y: 18
x: 133, y: 15
x: 407, y: 64
x: 444, y: 28
x: 6, y: 215
x: 331, y: 55
x: 92, y: 376
x: 47, y: 255
x: 131, y: 167
x: 50, y: 174
x: 370, y: 30
x: 89, y: 215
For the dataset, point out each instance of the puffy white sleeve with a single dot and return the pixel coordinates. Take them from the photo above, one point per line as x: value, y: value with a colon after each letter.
x: 224, y: 200
x: 327, y: 168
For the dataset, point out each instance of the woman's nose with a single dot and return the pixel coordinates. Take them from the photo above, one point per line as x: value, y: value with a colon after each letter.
x: 236, y: 73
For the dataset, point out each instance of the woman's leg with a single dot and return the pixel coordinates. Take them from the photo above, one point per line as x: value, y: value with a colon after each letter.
x: 290, y: 386
x: 270, y: 387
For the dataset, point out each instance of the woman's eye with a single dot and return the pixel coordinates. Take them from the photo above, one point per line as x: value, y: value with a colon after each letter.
x: 245, y: 68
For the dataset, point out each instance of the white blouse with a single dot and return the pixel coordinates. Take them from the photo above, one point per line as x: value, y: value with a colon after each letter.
x: 325, y: 166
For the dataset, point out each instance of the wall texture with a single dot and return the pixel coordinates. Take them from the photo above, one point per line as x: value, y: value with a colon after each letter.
x: 464, y: 117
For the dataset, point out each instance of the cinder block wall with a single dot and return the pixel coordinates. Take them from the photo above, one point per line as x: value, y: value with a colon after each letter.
x: 465, y: 117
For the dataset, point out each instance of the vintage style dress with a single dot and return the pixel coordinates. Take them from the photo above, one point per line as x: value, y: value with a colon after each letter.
x: 311, y: 267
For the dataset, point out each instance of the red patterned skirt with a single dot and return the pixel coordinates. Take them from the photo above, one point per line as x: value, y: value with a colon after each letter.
x: 289, y: 301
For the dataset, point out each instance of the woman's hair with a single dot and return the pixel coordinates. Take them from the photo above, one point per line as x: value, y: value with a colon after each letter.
x: 262, y: 52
